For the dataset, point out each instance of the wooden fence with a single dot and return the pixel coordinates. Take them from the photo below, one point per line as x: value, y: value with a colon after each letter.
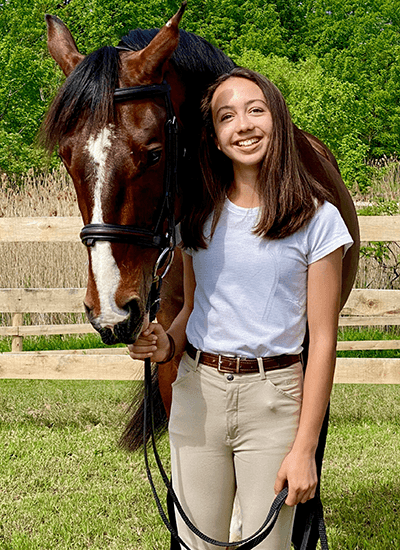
x: 364, y: 308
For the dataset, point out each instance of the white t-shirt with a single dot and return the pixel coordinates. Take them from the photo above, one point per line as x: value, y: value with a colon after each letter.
x: 250, y: 296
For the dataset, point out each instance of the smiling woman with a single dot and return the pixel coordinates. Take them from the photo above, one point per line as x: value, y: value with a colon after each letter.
x: 243, y: 128
x: 262, y: 258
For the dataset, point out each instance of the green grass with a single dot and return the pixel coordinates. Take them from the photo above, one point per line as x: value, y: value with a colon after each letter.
x: 61, y: 342
x: 361, y: 488
x: 369, y: 333
x: 65, y: 484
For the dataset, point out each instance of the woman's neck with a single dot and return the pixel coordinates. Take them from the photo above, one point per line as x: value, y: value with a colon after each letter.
x: 243, y: 191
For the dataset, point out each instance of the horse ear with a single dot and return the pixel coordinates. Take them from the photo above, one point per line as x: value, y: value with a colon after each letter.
x: 61, y: 45
x: 152, y: 59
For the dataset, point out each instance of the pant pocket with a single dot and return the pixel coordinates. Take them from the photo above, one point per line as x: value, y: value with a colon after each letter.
x: 184, y: 371
x: 288, y: 381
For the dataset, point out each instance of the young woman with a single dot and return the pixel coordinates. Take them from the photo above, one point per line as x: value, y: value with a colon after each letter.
x: 262, y: 248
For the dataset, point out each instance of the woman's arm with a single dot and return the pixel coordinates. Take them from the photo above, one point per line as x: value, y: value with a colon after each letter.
x: 298, y: 469
x: 153, y: 342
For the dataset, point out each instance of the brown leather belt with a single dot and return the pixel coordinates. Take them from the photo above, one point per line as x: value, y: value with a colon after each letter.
x: 241, y: 365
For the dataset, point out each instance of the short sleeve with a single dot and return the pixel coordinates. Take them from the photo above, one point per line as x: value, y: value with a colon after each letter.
x: 326, y: 233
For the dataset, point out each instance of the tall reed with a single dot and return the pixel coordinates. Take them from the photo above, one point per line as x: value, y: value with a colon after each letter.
x: 41, y: 265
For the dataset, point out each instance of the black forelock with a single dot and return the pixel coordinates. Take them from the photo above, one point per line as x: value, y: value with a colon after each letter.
x: 87, y: 92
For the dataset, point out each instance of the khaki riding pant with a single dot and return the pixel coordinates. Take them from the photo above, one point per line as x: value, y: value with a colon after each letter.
x: 231, y: 432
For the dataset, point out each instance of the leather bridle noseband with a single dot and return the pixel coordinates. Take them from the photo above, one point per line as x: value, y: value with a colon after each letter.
x: 156, y: 238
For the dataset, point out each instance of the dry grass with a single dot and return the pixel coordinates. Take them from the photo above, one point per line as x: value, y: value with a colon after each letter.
x: 52, y: 194
x: 385, y: 181
x: 41, y: 265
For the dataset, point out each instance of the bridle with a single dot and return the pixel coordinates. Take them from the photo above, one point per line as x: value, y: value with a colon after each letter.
x: 156, y: 238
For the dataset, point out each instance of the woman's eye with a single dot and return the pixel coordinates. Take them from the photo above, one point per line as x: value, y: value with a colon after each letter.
x: 225, y: 117
x: 154, y: 156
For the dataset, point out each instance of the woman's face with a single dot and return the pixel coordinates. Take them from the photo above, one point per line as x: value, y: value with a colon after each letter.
x: 242, y: 121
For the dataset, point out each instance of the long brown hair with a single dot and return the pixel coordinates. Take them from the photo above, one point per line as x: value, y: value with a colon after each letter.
x: 289, y: 194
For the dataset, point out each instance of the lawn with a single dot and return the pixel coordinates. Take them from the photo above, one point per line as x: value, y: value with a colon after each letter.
x: 65, y: 484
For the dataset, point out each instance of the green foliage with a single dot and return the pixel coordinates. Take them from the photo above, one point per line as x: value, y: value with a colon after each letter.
x: 381, y: 208
x: 336, y: 62
x: 376, y: 250
x: 27, y: 81
x: 359, y: 42
x: 236, y: 25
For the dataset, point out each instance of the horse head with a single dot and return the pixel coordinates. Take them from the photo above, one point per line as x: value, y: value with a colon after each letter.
x: 115, y: 149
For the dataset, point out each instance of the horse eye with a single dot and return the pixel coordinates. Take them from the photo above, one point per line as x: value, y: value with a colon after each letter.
x: 154, y: 156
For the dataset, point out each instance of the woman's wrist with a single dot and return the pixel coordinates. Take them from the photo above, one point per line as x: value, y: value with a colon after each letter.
x: 171, y: 353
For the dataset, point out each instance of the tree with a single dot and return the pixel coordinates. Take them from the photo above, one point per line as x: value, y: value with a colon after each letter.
x: 359, y: 42
x: 337, y: 62
x: 27, y: 80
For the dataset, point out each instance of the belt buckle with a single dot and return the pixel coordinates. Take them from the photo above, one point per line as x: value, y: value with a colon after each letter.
x: 219, y: 366
x: 238, y: 358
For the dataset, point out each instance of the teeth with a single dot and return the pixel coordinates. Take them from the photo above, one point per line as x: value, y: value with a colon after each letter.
x: 247, y: 142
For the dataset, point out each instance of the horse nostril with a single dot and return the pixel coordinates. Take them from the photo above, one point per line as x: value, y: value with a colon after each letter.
x: 135, y: 312
x: 127, y: 331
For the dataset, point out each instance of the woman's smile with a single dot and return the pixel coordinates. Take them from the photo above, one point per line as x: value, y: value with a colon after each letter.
x: 247, y: 143
x: 242, y: 122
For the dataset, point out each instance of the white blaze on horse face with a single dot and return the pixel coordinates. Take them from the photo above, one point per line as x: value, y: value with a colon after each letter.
x: 105, y: 269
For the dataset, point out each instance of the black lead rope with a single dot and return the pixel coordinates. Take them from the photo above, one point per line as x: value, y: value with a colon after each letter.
x: 246, y: 544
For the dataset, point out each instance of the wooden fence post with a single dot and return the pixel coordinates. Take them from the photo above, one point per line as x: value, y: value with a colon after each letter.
x: 16, y: 341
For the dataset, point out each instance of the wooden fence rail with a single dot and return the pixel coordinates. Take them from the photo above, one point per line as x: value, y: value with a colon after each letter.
x: 364, y: 308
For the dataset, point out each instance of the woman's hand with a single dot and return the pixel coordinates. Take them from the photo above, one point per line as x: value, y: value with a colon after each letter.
x: 299, y: 473
x: 153, y: 342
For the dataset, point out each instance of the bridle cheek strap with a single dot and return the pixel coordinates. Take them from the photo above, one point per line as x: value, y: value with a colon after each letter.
x: 156, y: 238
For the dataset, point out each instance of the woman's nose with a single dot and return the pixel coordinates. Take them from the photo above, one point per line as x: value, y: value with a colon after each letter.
x: 245, y: 123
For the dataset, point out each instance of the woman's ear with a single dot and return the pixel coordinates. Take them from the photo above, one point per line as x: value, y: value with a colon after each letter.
x: 216, y: 141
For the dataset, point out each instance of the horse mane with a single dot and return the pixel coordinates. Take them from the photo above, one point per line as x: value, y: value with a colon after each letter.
x: 88, y: 91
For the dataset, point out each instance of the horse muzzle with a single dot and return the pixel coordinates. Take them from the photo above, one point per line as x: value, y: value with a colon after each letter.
x: 125, y: 331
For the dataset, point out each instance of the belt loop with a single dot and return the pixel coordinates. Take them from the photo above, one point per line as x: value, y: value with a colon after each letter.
x: 197, y: 359
x: 261, y: 367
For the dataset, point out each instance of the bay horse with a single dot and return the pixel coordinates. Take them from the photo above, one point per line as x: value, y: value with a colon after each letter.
x: 115, y: 147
